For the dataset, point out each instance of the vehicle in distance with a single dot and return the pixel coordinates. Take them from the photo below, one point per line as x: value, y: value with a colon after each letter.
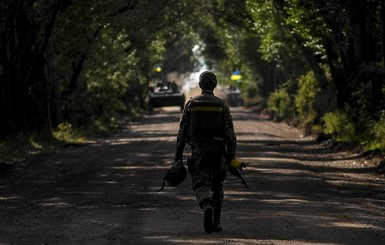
x: 233, y: 96
x: 164, y: 95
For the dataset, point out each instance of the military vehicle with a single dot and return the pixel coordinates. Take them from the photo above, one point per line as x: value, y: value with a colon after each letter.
x: 165, y: 94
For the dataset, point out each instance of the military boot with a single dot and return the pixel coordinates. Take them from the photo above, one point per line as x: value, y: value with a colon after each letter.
x: 208, y: 217
x: 217, y: 220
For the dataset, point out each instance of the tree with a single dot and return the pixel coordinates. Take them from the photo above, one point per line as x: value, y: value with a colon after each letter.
x: 24, y: 39
x: 54, y: 54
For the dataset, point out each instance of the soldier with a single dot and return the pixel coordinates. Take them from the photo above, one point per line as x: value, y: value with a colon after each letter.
x: 206, y: 124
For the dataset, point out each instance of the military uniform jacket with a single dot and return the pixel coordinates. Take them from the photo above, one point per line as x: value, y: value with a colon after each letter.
x: 206, y: 118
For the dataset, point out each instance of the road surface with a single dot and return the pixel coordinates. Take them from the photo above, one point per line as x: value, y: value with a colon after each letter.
x: 105, y: 192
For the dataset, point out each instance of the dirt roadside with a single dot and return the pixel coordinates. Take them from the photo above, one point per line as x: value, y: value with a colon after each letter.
x: 105, y: 192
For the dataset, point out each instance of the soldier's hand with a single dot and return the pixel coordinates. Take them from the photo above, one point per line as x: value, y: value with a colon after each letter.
x: 177, y: 160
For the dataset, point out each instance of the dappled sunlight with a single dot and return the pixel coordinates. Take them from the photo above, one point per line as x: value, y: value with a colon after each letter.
x: 298, y: 192
x: 138, y: 167
x: 103, y: 182
x: 237, y: 193
x: 141, y: 139
x: 226, y: 240
x: 56, y: 203
x: 293, y: 73
x: 8, y: 198
x: 85, y: 193
x: 173, y: 240
x: 355, y: 225
x: 148, y: 209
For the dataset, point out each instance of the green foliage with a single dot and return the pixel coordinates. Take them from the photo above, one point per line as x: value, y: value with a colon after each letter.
x: 180, y: 58
x: 67, y: 134
x: 279, y: 42
x: 251, y: 97
x: 264, y: 14
x: 307, y: 24
x: 312, y: 100
x: 279, y: 102
x: 18, y: 147
x: 14, y: 149
x: 90, y: 62
x: 377, y: 139
x: 305, y: 98
x: 338, y: 125
x: 121, y: 43
x: 251, y: 91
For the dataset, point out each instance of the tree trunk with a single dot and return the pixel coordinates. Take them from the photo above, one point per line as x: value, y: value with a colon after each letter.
x: 382, y: 11
x: 25, y: 92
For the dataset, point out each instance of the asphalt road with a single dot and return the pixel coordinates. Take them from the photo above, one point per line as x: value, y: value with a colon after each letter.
x: 105, y: 192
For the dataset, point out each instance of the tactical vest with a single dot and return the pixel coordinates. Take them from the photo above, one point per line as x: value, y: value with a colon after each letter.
x: 206, y: 121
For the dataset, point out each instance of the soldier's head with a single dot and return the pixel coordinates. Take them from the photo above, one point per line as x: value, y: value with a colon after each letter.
x: 207, y: 80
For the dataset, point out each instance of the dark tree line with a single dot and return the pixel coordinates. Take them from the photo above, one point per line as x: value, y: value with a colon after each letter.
x: 24, y: 88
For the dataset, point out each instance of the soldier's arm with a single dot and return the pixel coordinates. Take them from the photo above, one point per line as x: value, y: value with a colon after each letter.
x: 229, y: 134
x: 182, y: 133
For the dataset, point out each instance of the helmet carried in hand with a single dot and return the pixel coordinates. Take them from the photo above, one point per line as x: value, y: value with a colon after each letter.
x: 175, y: 175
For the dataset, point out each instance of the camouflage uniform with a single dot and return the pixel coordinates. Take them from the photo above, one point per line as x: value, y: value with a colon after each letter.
x: 206, y: 124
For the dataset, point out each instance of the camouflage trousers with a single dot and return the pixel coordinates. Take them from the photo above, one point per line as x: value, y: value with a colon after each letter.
x: 207, y: 169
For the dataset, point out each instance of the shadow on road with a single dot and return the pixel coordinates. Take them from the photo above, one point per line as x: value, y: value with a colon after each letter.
x: 105, y: 193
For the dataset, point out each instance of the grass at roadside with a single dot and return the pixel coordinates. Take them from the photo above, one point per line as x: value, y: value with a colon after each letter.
x: 17, y: 148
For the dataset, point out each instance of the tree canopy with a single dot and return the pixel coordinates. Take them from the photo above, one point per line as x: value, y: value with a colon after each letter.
x: 90, y: 62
